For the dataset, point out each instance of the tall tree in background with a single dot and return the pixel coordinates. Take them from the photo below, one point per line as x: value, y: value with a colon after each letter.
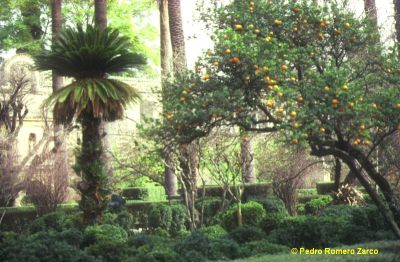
x: 100, y: 13
x: 170, y: 179
x: 247, y: 159
x: 177, y: 36
x: 397, y: 19
x: 371, y: 11
x: 59, y: 146
x: 188, y: 152
x: 100, y: 19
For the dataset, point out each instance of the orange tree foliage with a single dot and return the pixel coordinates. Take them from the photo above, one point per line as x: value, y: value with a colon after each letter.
x: 318, y: 74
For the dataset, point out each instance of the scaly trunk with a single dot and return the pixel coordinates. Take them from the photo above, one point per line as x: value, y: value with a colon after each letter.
x: 59, y: 146
x: 100, y: 18
x: 177, y: 36
x: 247, y: 160
x: 371, y: 11
x: 100, y: 13
x: 171, y: 182
x: 94, y: 184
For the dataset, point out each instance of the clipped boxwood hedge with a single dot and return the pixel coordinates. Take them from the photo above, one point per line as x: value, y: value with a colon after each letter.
x: 325, y: 188
x: 250, y: 190
x: 155, y: 193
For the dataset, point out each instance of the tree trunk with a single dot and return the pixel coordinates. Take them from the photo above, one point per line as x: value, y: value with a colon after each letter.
x: 177, y: 36
x: 247, y: 160
x: 171, y: 181
x: 100, y: 18
x: 100, y: 13
x: 337, y: 173
x: 371, y: 11
x: 397, y: 19
x: 94, y: 184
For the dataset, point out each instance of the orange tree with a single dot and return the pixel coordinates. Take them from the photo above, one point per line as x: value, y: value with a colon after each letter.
x: 315, y: 73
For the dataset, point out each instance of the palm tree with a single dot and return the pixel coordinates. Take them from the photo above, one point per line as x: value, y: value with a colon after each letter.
x: 170, y: 179
x: 88, y: 57
x: 100, y: 13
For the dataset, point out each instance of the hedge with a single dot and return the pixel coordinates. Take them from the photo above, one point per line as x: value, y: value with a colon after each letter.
x: 155, y: 193
x: 325, y: 188
x: 250, y: 190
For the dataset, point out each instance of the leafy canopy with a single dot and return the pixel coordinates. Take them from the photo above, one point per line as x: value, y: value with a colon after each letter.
x: 317, y: 73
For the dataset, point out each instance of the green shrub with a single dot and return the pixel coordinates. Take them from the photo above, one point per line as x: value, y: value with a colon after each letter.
x: 98, y: 233
x: 43, y: 246
x: 110, y: 251
x: 179, y: 219
x: 314, y: 206
x: 51, y: 221
x: 246, y: 233
x: 223, y: 249
x: 252, y: 214
x: 153, y: 193
x: 124, y: 219
x: 214, y: 232
x: 194, y: 242
x: 272, y: 204
x: 211, y: 207
x: 272, y: 221
x: 73, y: 237
x: 160, y: 216
x: 308, y: 231
x: 262, y: 247
x: 202, y: 248
x: 73, y: 220
x: 193, y: 256
x: 300, y: 209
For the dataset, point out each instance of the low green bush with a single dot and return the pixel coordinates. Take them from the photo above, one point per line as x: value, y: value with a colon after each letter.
x: 160, y: 216
x: 271, y: 204
x: 170, y: 218
x: 41, y: 246
x: 272, y: 221
x: 211, y: 206
x: 246, y: 233
x: 110, y: 251
x: 252, y: 214
x: 214, y: 232
x: 221, y: 249
x: 204, y: 248
x: 51, y: 221
x: 262, y: 247
x: 315, y: 206
x: 308, y: 231
x: 179, y: 219
x: 98, y: 233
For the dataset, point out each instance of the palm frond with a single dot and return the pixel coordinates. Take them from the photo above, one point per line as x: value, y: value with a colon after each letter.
x: 89, y: 54
x: 104, y: 98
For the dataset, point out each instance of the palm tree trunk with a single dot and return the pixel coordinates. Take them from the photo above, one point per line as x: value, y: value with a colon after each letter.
x: 188, y: 152
x: 177, y: 36
x: 100, y: 13
x: 371, y: 11
x: 170, y: 179
x: 94, y: 184
x: 100, y: 18
x: 397, y: 19
x: 60, y: 147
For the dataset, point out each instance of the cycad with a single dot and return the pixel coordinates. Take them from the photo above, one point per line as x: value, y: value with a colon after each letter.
x: 88, y: 56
